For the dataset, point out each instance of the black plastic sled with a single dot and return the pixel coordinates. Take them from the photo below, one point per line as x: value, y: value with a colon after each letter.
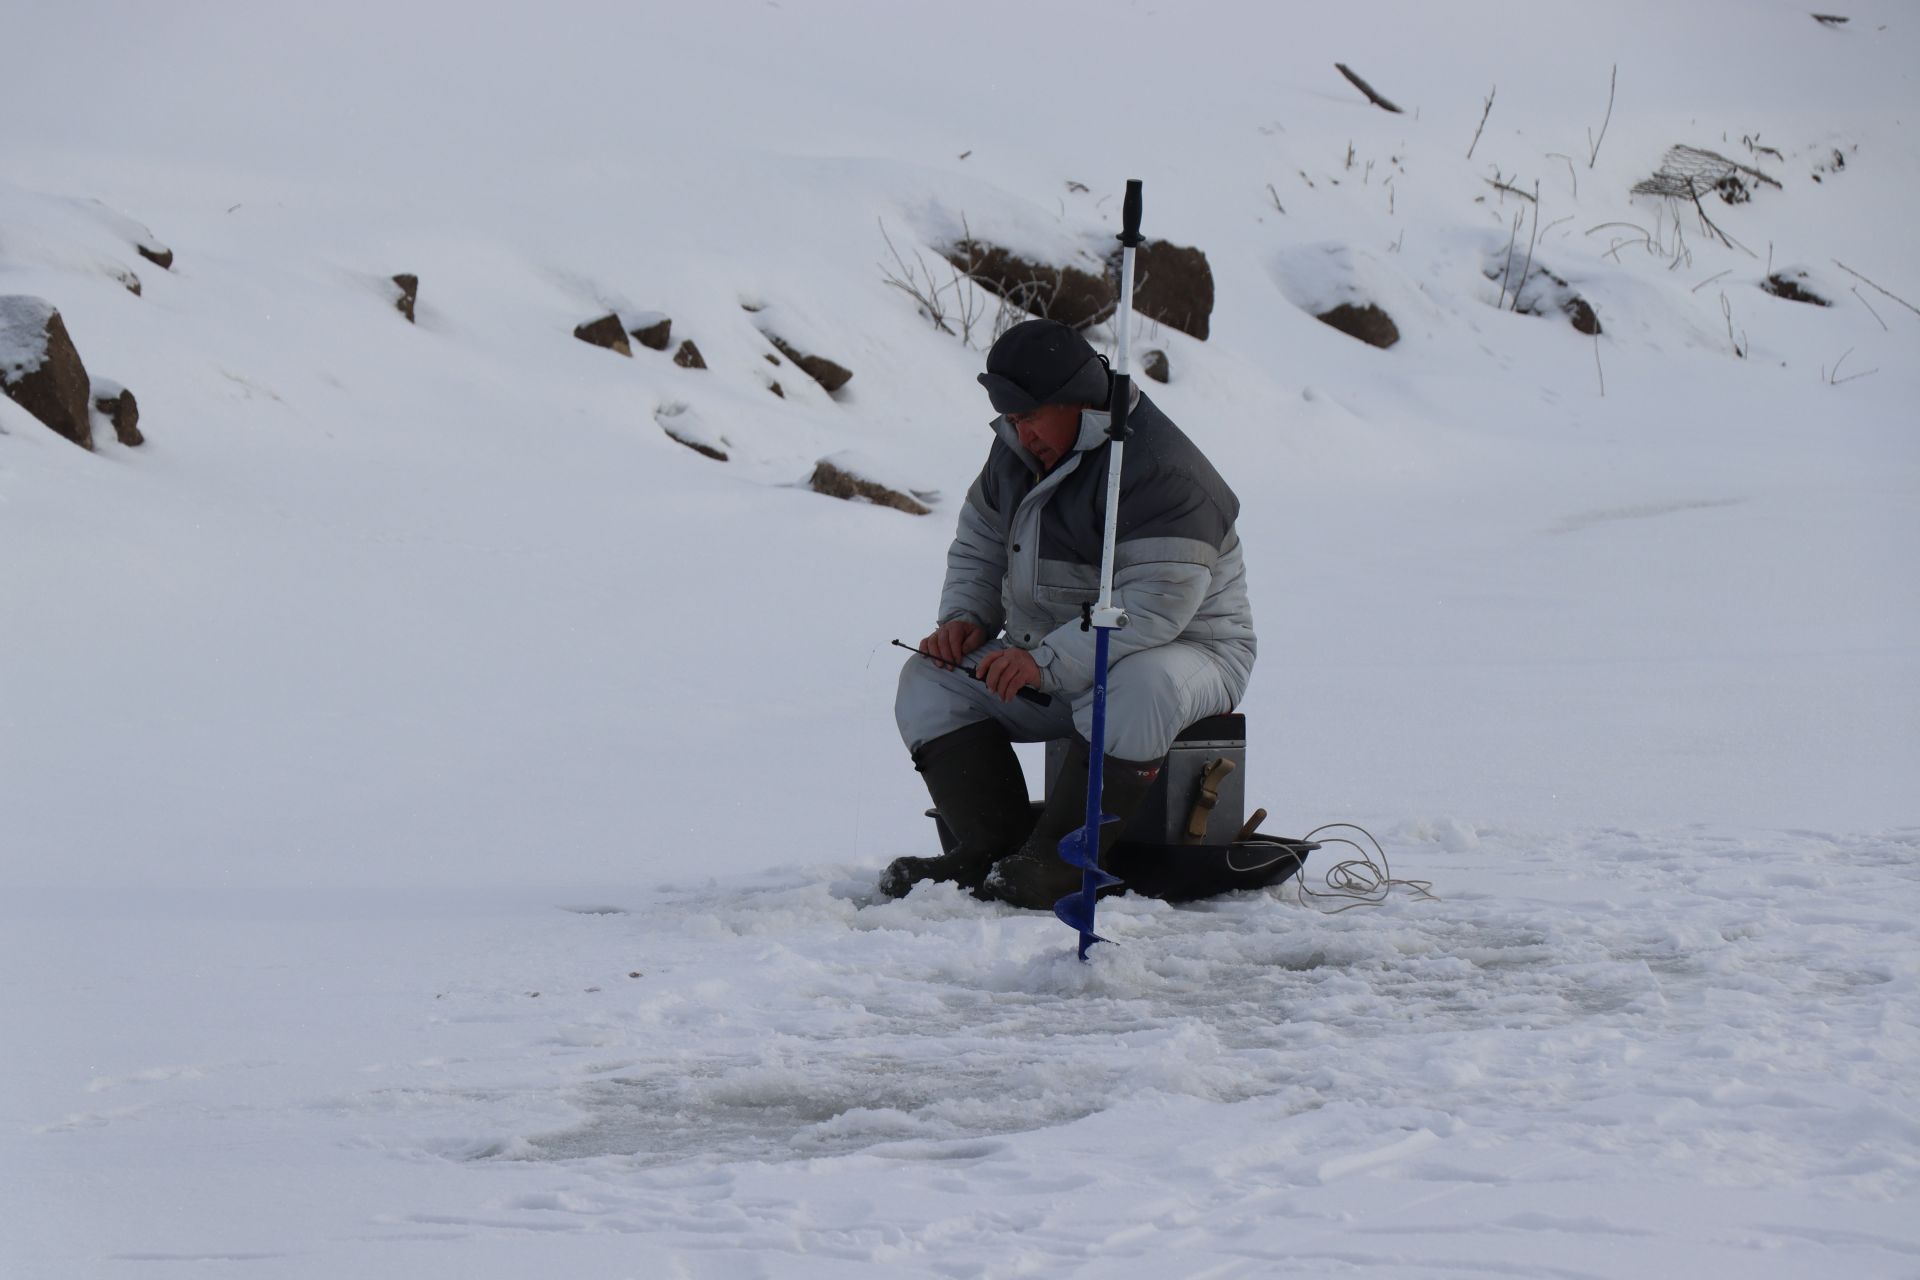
x: 1201, y: 796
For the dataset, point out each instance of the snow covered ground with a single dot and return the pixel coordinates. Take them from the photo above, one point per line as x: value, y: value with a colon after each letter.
x: 438, y: 809
x: 1611, y: 1054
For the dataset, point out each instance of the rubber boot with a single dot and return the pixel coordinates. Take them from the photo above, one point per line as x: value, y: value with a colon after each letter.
x: 1036, y: 877
x: 977, y: 785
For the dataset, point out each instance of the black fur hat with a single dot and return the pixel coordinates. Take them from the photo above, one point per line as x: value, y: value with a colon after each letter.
x: 1040, y: 362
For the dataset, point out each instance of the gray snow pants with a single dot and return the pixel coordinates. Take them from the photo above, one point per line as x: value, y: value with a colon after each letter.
x: 1151, y: 696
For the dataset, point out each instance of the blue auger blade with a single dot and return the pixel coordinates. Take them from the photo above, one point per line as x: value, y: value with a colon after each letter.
x: 1076, y: 913
x: 1093, y: 879
x: 1076, y: 850
x: 1075, y: 910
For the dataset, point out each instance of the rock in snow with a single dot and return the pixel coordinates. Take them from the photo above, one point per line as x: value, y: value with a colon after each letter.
x: 606, y: 332
x: 652, y: 331
x: 1365, y: 321
x: 1795, y: 284
x: 409, y: 292
x: 1172, y: 284
x: 826, y: 372
x: 685, y: 426
x: 40, y: 369
x: 121, y: 410
x: 839, y: 476
x: 1057, y: 291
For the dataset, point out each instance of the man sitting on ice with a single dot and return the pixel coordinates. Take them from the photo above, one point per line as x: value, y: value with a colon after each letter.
x: 1024, y: 564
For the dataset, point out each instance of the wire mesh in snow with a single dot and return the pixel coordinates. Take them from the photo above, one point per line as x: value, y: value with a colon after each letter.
x: 1687, y: 173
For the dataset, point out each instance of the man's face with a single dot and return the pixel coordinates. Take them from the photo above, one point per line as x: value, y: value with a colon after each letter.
x: 1048, y: 432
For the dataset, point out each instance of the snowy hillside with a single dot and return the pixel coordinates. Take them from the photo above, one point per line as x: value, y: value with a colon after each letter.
x: 441, y: 804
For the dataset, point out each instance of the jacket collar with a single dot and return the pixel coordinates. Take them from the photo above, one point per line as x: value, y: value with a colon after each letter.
x: 1093, y: 434
x: 1094, y: 423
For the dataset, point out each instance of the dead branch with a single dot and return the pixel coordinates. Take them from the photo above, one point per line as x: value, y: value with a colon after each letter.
x: 1276, y: 198
x: 1709, y: 280
x: 1507, y: 186
x: 1485, y: 112
x: 1611, y: 84
x: 1682, y: 256
x: 1598, y: 226
x: 965, y: 294
x: 1527, y: 270
x: 1507, y: 271
x: 916, y: 281
x: 1726, y: 309
x: 1704, y: 219
x: 1834, y: 379
x: 1366, y: 88
x: 1614, y: 250
x: 1831, y: 20
x: 1596, y: 366
x: 1869, y: 307
x: 1871, y: 285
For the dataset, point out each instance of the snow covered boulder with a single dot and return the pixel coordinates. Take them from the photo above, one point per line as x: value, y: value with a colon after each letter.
x: 1795, y: 284
x: 828, y: 374
x: 1341, y: 287
x: 1542, y: 293
x: 409, y: 286
x: 1580, y: 312
x: 849, y: 476
x: 122, y: 411
x: 74, y: 234
x: 1062, y: 292
x: 1365, y: 321
x: 689, y: 357
x: 1171, y: 283
x: 685, y: 426
x: 1154, y: 365
x: 652, y: 330
x: 606, y: 332
x: 40, y: 369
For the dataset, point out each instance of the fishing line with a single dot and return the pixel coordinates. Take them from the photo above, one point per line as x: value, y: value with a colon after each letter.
x: 1361, y: 880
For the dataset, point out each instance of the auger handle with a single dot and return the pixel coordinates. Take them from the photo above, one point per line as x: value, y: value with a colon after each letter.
x: 1130, y: 215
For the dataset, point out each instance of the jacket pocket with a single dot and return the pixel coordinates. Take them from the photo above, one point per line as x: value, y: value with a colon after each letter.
x: 1072, y: 597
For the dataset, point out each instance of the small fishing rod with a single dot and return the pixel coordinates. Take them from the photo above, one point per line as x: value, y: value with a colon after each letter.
x: 1026, y: 691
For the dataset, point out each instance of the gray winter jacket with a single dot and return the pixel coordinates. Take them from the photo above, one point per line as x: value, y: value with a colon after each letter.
x: 1026, y: 555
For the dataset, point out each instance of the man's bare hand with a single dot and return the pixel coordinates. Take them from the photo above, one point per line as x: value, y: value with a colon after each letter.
x: 952, y: 641
x: 1007, y: 671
